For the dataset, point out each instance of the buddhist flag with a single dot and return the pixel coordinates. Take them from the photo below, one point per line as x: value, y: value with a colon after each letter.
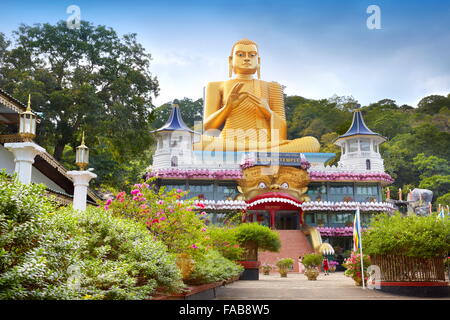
x: 356, y: 231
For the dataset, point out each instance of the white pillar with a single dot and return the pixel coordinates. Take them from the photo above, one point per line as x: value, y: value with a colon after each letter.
x: 80, y: 182
x: 24, y: 153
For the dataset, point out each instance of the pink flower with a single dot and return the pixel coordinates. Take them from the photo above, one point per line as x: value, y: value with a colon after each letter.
x: 106, y: 207
x: 179, y: 190
x: 135, y: 198
x: 162, y: 218
x: 194, y: 246
x: 135, y: 191
x: 120, y: 195
x: 203, y: 229
x: 140, y: 194
x: 108, y: 202
x: 200, y: 205
x: 160, y: 202
x: 138, y: 186
x: 203, y: 213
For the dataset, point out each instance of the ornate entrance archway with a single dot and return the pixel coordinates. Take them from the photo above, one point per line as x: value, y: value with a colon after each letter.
x: 277, y: 210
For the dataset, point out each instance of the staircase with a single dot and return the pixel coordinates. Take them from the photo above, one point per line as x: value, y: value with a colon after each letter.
x: 293, y: 244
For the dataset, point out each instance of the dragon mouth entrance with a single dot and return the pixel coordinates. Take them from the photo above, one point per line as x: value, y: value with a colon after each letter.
x: 274, y: 198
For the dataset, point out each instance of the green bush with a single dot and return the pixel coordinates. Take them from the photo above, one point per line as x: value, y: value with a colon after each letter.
x: 312, y: 260
x: 413, y: 236
x: 285, y: 263
x: 73, y: 255
x: 117, y: 258
x: 22, y: 208
x: 212, y: 267
x: 262, y: 237
x: 223, y: 239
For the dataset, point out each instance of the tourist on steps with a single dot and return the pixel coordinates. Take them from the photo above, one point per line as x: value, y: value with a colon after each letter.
x: 325, y: 266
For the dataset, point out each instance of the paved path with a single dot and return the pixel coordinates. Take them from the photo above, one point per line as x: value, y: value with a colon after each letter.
x: 296, y: 286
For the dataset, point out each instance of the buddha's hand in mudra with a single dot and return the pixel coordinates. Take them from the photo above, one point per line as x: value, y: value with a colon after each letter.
x: 236, y: 97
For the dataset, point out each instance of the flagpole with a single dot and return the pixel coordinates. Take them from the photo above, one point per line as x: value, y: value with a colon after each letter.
x: 360, y: 246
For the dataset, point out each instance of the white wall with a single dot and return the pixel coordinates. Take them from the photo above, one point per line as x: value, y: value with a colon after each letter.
x: 7, y: 162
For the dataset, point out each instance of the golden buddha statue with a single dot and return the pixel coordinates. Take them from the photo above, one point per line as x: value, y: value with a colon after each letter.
x: 249, y: 112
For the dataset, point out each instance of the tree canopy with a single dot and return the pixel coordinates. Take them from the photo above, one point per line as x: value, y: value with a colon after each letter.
x: 87, y: 79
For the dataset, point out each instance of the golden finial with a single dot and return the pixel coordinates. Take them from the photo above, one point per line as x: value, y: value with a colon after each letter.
x: 29, y: 103
x: 82, y: 139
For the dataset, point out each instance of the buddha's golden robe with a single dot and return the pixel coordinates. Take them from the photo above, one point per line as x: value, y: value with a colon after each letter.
x: 247, y: 129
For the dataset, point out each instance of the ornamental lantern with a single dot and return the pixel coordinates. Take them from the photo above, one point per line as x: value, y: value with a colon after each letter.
x: 27, y: 123
x: 82, y: 155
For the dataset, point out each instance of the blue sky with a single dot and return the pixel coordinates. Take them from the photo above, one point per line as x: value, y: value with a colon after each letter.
x: 315, y: 48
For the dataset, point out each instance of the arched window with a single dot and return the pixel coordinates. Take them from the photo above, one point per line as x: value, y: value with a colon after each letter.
x: 367, y: 164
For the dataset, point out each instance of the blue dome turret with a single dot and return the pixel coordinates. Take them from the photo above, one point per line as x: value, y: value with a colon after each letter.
x: 358, y: 127
x: 175, y: 121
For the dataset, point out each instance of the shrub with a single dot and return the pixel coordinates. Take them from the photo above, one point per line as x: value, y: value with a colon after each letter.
x: 353, y: 266
x: 176, y: 224
x: 212, y: 267
x: 414, y: 236
x: 22, y: 208
x: 258, y: 236
x: 117, y: 258
x: 75, y: 255
x: 285, y: 263
x: 312, y: 260
x: 224, y: 240
x: 173, y: 222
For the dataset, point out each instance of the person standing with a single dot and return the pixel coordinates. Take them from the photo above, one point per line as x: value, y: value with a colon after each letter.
x: 301, y: 267
x: 325, y: 266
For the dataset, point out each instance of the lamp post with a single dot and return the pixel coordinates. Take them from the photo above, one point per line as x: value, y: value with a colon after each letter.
x: 25, y: 152
x: 82, y: 155
x: 27, y: 123
x: 81, y: 177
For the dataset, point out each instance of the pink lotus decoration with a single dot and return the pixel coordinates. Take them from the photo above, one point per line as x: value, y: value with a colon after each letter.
x: 336, y: 232
x: 350, y: 176
x: 225, y: 174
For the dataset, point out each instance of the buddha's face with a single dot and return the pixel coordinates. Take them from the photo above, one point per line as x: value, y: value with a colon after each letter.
x: 245, y: 59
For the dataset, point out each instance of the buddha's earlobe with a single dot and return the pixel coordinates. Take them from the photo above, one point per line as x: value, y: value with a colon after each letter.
x: 258, y: 68
x: 230, y: 66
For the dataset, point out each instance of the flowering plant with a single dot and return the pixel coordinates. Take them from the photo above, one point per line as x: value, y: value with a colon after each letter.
x: 333, y: 263
x: 353, y: 267
x: 266, y: 267
x: 170, y: 220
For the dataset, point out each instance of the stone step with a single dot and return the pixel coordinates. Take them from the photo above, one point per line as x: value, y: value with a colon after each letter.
x: 293, y: 244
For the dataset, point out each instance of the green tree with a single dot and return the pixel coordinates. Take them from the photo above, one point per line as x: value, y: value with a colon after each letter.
x: 444, y: 200
x: 82, y: 79
x: 438, y: 184
x: 317, y: 117
x: 432, y: 165
x: 433, y: 104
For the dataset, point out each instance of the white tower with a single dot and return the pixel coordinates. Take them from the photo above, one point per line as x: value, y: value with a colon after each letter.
x: 360, y: 147
x: 174, y: 142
